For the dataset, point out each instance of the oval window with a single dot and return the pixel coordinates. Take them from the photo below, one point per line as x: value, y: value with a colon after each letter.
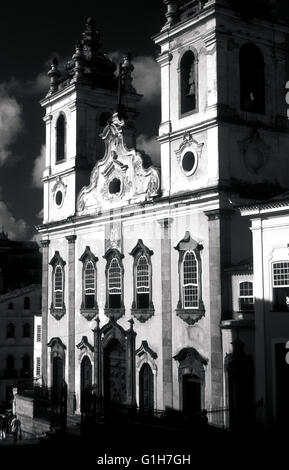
x: 188, y: 162
x: 58, y: 198
x: 114, y: 186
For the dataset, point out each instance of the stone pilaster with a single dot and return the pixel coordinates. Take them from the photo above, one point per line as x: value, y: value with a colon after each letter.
x: 166, y: 312
x: 71, y: 323
x: 130, y: 358
x: 97, y: 360
x: 45, y: 268
x: 219, y: 255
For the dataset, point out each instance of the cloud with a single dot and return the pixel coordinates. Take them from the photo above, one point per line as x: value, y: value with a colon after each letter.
x: 147, y: 78
x: 16, y: 229
x: 38, y: 167
x: 150, y: 145
x: 11, y: 123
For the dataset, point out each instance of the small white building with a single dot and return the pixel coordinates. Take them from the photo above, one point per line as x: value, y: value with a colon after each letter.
x: 270, y: 232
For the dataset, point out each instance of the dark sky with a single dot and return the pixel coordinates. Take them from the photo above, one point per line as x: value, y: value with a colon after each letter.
x: 29, y: 36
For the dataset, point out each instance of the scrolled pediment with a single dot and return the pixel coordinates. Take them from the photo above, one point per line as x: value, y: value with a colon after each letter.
x: 123, y: 175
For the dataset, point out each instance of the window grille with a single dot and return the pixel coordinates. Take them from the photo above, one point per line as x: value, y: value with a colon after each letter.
x: 246, y: 299
x: 190, y: 281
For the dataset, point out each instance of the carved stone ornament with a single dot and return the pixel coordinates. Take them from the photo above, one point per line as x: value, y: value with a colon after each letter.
x: 59, y: 188
x: 189, y: 144
x: 255, y: 152
x: 120, y: 177
x: 85, y: 345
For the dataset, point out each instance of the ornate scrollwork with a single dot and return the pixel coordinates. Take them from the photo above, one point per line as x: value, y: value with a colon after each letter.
x: 122, y: 174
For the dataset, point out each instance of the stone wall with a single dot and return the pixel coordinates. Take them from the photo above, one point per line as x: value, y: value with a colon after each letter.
x: 30, y: 426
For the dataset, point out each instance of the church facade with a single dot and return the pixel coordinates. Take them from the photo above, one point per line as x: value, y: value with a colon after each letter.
x: 137, y: 295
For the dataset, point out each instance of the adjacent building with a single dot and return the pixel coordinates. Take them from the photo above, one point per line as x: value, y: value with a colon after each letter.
x: 18, y: 309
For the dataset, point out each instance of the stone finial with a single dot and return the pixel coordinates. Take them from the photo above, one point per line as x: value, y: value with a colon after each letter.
x: 78, y: 59
x: 54, y: 75
x: 91, y: 39
x: 126, y: 70
x: 172, y: 10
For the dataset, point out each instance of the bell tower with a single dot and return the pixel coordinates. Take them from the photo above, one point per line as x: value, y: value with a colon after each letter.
x: 83, y: 96
x: 223, y: 110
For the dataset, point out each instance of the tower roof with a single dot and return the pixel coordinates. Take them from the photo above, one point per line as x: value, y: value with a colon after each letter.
x: 88, y: 63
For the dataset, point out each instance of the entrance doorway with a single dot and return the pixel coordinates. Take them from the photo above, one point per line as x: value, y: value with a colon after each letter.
x: 191, y: 394
x: 114, y: 373
x: 146, y: 388
x: 57, y: 377
x: 86, y: 382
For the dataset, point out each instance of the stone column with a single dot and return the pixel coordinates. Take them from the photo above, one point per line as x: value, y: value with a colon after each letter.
x: 97, y: 377
x: 45, y: 268
x: 166, y: 312
x: 219, y: 257
x: 71, y: 324
x: 130, y: 360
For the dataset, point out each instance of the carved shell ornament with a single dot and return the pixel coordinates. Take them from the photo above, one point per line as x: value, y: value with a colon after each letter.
x: 189, y: 154
x: 119, y: 176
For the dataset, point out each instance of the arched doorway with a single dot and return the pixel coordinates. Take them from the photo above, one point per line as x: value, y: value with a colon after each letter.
x: 192, y: 381
x: 191, y: 393
x: 86, y: 382
x: 146, y: 388
x: 114, y: 373
x: 57, y: 377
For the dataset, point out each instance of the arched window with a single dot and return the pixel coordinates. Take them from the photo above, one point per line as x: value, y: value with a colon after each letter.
x: 246, y: 299
x: 114, y: 284
x: 190, y: 307
x: 60, y: 138
x: 57, y: 308
x: 190, y: 281
x: 26, y: 303
x: 188, y: 82
x: 142, y: 282
x: 10, y: 331
x: 10, y: 366
x: 89, y: 285
x: 10, y: 306
x: 142, y: 307
x: 26, y: 364
x: 252, y: 79
x: 89, y: 306
x: 26, y: 330
x: 58, y: 287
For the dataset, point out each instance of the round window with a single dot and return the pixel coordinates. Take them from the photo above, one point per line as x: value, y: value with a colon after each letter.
x: 58, y: 198
x: 114, y: 186
x: 188, y: 162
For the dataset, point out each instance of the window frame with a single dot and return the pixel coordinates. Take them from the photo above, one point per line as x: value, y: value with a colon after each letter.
x: 13, y: 327
x: 246, y: 297
x: 114, y: 253
x: 189, y: 314
x: 58, y: 160
x: 275, y: 301
x: 139, y: 251
x: 194, y: 110
x: 55, y: 310
x: 88, y: 257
